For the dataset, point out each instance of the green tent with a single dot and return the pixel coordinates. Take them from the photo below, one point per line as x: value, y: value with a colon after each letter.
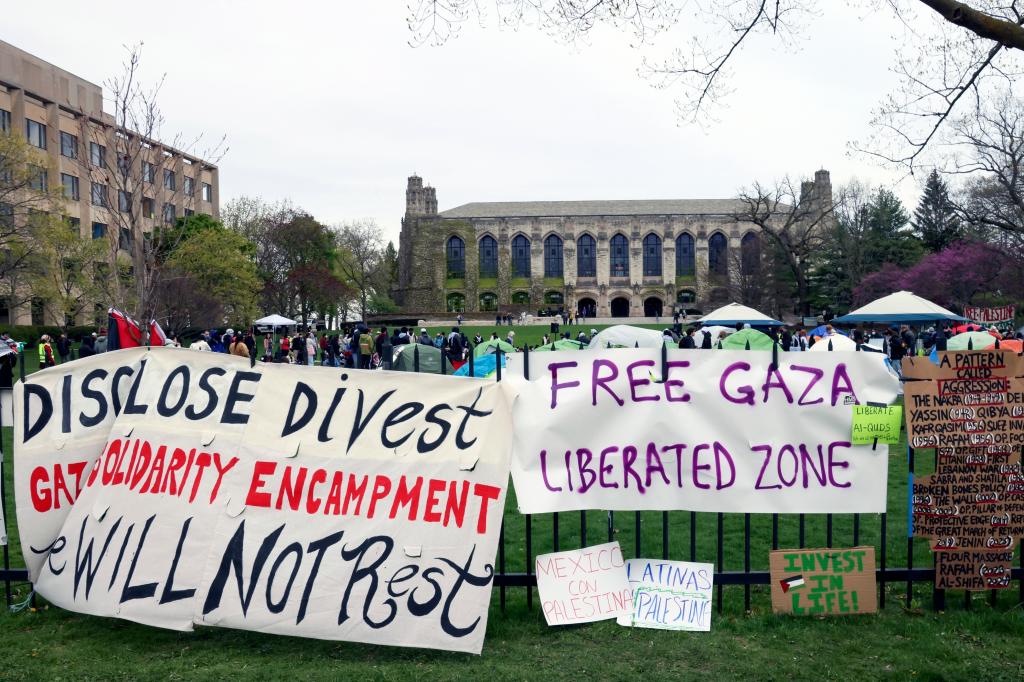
x: 562, y: 344
x: 739, y: 340
x: 978, y: 340
x: 430, y: 358
x: 492, y: 346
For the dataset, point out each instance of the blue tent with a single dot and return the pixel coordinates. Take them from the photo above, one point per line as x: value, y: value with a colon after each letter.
x: 821, y: 331
x: 483, y: 366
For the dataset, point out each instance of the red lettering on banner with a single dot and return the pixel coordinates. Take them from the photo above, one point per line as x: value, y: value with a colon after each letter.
x: 256, y: 498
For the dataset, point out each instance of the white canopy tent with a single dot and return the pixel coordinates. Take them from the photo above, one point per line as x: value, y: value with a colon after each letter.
x: 838, y: 341
x: 626, y: 336
x: 902, y: 307
x: 274, y: 320
x: 734, y: 313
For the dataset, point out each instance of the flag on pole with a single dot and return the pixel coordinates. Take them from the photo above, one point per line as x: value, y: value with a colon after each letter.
x: 122, y: 331
x: 156, y: 334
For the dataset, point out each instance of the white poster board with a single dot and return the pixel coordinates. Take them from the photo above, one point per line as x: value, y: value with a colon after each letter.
x: 669, y: 595
x: 583, y: 585
x: 715, y: 431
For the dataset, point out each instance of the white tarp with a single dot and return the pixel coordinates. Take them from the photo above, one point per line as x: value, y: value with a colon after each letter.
x: 627, y: 336
x: 712, y: 431
x: 360, y: 506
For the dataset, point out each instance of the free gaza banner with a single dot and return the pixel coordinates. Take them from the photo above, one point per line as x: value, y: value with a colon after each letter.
x: 698, y: 430
x: 175, y: 488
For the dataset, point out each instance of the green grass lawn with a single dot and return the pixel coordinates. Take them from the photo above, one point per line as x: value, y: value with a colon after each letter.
x: 903, y: 641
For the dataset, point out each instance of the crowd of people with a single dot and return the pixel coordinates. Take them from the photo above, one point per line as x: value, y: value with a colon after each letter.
x: 358, y: 346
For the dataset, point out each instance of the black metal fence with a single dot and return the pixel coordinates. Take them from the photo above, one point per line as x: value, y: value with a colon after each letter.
x: 740, y: 563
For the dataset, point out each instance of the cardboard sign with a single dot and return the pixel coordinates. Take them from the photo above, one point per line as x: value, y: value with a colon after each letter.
x: 971, y: 408
x: 336, y: 504
x: 669, y: 595
x: 583, y: 585
x: 823, y: 582
x: 721, y: 431
x: 877, y: 424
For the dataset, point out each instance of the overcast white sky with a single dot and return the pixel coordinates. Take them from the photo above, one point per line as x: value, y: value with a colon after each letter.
x: 328, y: 105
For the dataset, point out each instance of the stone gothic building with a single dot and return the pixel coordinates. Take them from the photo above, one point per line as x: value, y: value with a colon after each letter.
x: 605, y: 258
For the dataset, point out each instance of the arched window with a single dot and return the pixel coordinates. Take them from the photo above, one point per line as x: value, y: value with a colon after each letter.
x: 456, y: 254
x: 685, y: 261
x: 488, y: 257
x: 456, y: 303
x: 553, y: 298
x: 750, y: 254
x: 652, y: 256
x: 686, y: 296
x: 552, y: 256
x: 520, y: 298
x: 586, y: 256
x: 520, y: 256
x: 717, y: 255
x: 619, y: 256
x: 488, y: 301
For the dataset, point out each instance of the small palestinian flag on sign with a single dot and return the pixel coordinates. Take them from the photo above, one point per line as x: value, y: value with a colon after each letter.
x: 792, y: 582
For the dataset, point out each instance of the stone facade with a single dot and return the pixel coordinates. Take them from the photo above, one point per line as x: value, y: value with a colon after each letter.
x: 649, y: 257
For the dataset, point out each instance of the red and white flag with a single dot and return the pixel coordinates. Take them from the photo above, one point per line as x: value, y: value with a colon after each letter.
x: 122, y: 331
x: 157, y: 337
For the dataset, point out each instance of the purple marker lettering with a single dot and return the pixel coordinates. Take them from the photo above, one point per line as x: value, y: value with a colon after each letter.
x: 598, y: 380
x: 745, y: 393
x: 553, y: 368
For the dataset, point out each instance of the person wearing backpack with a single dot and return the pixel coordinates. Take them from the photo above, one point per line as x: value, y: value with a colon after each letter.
x: 366, y: 347
x: 455, y: 345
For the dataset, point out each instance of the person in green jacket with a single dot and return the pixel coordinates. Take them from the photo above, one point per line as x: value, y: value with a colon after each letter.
x: 46, y: 352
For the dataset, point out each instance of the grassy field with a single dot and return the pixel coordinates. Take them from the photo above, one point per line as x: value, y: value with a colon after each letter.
x: 903, y: 641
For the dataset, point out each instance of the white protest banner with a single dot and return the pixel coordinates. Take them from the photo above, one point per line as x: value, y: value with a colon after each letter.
x: 62, y: 419
x: 716, y: 431
x: 583, y: 585
x: 669, y: 595
x: 349, y: 505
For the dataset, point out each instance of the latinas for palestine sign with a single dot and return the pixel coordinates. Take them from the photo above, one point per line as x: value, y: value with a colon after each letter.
x: 176, y: 488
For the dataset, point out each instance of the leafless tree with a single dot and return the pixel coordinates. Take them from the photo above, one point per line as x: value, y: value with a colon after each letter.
x: 949, y: 52
x: 361, y: 254
x: 795, y: 222
x: 139, y: 179
x: 992, y: 157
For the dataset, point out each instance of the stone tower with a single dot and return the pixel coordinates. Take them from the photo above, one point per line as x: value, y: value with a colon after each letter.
x: 414, y: 244
x: 816, y: 195
x: 419, y: 200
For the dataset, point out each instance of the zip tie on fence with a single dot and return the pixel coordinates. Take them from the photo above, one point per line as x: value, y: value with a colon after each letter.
x: 23, y: 604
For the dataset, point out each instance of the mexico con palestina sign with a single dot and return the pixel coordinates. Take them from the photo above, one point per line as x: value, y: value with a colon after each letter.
x: 718, y: 430
x: 176, y: 488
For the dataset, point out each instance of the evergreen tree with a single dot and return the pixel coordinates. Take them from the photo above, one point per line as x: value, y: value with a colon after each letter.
x: 889, y: 239
x: 935, y: 222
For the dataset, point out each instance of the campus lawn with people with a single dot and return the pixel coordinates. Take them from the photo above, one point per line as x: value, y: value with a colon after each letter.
x: 982, y: 642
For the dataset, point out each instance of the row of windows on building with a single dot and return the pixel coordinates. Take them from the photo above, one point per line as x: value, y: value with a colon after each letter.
x: 99, y: 230
x: 586, y: 256
x: 35, y: 133
x: 99, y: 195
x: 455, y: 302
